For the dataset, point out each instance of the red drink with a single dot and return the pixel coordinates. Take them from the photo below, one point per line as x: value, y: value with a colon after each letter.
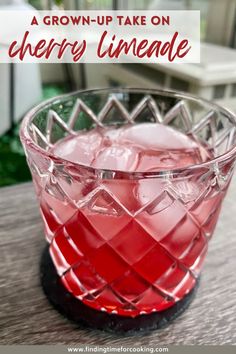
x: 130, y: 246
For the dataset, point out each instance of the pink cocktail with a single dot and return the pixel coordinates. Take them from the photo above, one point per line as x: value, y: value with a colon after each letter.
x: 131, y: 201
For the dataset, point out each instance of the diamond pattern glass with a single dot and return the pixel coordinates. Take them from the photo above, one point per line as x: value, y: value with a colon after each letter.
x: 129, y: 243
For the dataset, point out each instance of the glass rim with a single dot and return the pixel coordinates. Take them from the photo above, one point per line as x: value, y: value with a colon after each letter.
x: 27, y: 140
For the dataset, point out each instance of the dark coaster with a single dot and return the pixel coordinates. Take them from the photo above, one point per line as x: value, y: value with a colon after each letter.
x: 75, y: 310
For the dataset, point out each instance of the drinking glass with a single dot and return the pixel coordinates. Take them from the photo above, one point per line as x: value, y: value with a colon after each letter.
x: 129, y: 243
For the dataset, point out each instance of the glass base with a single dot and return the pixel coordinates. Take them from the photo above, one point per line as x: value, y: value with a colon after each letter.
x: 76, y: 311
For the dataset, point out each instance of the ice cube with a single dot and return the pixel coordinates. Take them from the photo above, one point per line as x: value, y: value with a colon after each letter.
x: 153, y: 135
x: 117, y: 157
x: 79, y: 149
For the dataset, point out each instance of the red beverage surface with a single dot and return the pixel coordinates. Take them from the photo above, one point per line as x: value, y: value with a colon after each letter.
x: 130, y: 246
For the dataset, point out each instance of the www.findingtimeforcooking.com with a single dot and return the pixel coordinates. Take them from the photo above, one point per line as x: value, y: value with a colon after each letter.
x: 119, y: 349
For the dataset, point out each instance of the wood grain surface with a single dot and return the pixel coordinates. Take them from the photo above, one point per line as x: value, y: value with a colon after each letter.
x: 26, y: 317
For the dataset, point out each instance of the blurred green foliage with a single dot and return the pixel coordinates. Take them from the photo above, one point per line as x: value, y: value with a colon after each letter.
x: 38, y: 3
x: 58, y: 2
x: 13, y: 165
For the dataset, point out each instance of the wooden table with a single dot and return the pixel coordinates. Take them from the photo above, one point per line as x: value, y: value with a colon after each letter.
x: 26, y: 317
